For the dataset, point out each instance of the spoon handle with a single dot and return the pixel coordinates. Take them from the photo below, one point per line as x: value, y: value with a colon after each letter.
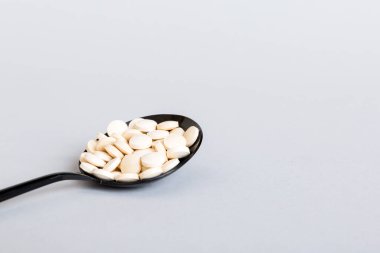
x: 36, y: 183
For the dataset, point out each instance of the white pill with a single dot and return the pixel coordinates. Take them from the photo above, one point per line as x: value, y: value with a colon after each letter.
x: 149, y: 173
x: 140, y: 141
x: 178, y: 152
x: 169, y: 165
x: 94, y: 160
x: 159, y: 146
x: 91, y: 146
x: 103, y: 174
x: 127, y: 177
x: 158, y: 134
x: 142, y: 152
x: 87, y: 167
x: 103, y: 155
x: 178, y: 131
x: 116, y: 174
x: 174, y: 140
x: 113, y: 151
x: 116, y: 127
x: 167, y: 125
x: 155, y: 159
x: 130, y: 132
x: 102, y: 143
x: 191, y: 135
x: 130, y: 164
x: 133, y: 122
x: 146, y: 125
x: 112, y: 165
x: 82, y: 157
x: 123, y: 146
x: 100, y: 136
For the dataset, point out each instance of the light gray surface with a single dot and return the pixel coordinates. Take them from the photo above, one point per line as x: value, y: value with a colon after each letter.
x: 287, y: 93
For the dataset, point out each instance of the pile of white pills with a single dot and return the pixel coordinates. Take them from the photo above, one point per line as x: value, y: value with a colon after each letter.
x: 143, y: 149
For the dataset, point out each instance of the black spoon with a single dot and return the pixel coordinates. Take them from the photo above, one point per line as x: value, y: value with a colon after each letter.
x: 30, y: 185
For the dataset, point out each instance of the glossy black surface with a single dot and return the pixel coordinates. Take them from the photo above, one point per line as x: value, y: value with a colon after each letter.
x: 30, y: 185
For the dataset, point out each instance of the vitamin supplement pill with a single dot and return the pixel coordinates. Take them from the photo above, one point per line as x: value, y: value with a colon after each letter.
x: 113, y: 151
x: 130, y: 132
x: 94, y: 160
x: 158, y: 134
x: 100, y: 136
x: 155, y: 159
x: 104, y: 142
x: 191, y: 135
x: 159, y: 146
x: 103, y: 155
x: 127, y: 177
x: 116, y: 174
x: 112, y: 165
x: 103, y: 174
x: 178, y: 131
x: 169, y: 165
x: 167, y: 125
x: 91, y: 146
x: 145, y: 125
x: 87, y: 167
x: 178, y: 152
x: 142, y: 152
x: 140, y: 141
x: 174, y: 140
x: 130, y: 164
x: 123, y: 146
x: 133, y: 122
x: 116, y: 127
x: 81, y: 158
x: 149, y: 173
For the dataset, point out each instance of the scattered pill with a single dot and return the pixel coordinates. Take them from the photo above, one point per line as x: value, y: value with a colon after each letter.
x: 130, y: 132
x: 178, y: 152
x: 170, y: 165
x: 103, y: 155
x: 174, y: 140
x: 167, y: 125
x: 142, y: 152
x: 178, y: 131
x: 116, y: 127
x: 158, y: 134
x: 191, y: 135
x: 145, y: 125
x: 94, y: 160
x: 87, y: 167
x: 149, y: 173
x: 112, y: 164
x: 133, y: 122
x: 102, y: 143
x: 159, y: 146
x: 103, y: 174
x: 123, y: 146
x: 91, y: 146
x: 113, y: 151
x: 82, y: 157
x: 130, y: 164
x: 155, y: 159
x: 140, y: 141
x: 127, y: 177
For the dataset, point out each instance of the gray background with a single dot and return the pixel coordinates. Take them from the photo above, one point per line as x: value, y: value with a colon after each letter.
x: 287, y: 93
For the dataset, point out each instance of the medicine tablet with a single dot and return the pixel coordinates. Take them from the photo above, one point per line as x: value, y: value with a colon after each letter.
x: 116, y: 173
x: 159, y: 146
x: 191, y: 135
x: 116, y: 127
x: 113, y: 151
x: 94, y: 160
x: 127, y: 177
x: 142, y: 152
x: 87, y: 167
x: 158, y: 134
x: 102, y: 143
x: 174, y: 140
x: 130, y: 132
x: 145, y: 125
x: 91, y: 146
x: 170, y: 165
x: 130, y: 164
x: 155, y: 159
x: 133, y: 122
x: 112, y: 165
x: 178, y: 131
x: 103, y: 174
x: 123, y: 146
x: 103, y: 155
x: 178, y: 152
x: 140, y: 141
x: 149, y: 173
x: 82, y: 157
x: 167, y: 125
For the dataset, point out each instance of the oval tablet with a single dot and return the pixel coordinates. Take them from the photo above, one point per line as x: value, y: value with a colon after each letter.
x: 102, y: 143
x: 82, y: 157
x: 178, y: 131
x: 169, y: 165
x: 167, y: 125
x: 116, y: 127
x: 130, y: 132
x: 103, y: 155
x: 94, y: 160
x: 155, y: 159
x: 140, y: 141
x: 130, y: 164
x: 133, y: 122
x: 116, y: 174
x: 112, y: 165
x: 123, y: 147
x: 87, y: 167
x: 127, y: 177
x: 174, y: 140
x: 191, y: 135
x: 159, y: 146
x: 91, y: 146
x: 142, y: 152
x: 100, y: 136
x: 149, y: 173
x: 113, y: 151
x: 103, y: 174
x: 146, y: 125
x: 178, y: 152
x: 158, y: 134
